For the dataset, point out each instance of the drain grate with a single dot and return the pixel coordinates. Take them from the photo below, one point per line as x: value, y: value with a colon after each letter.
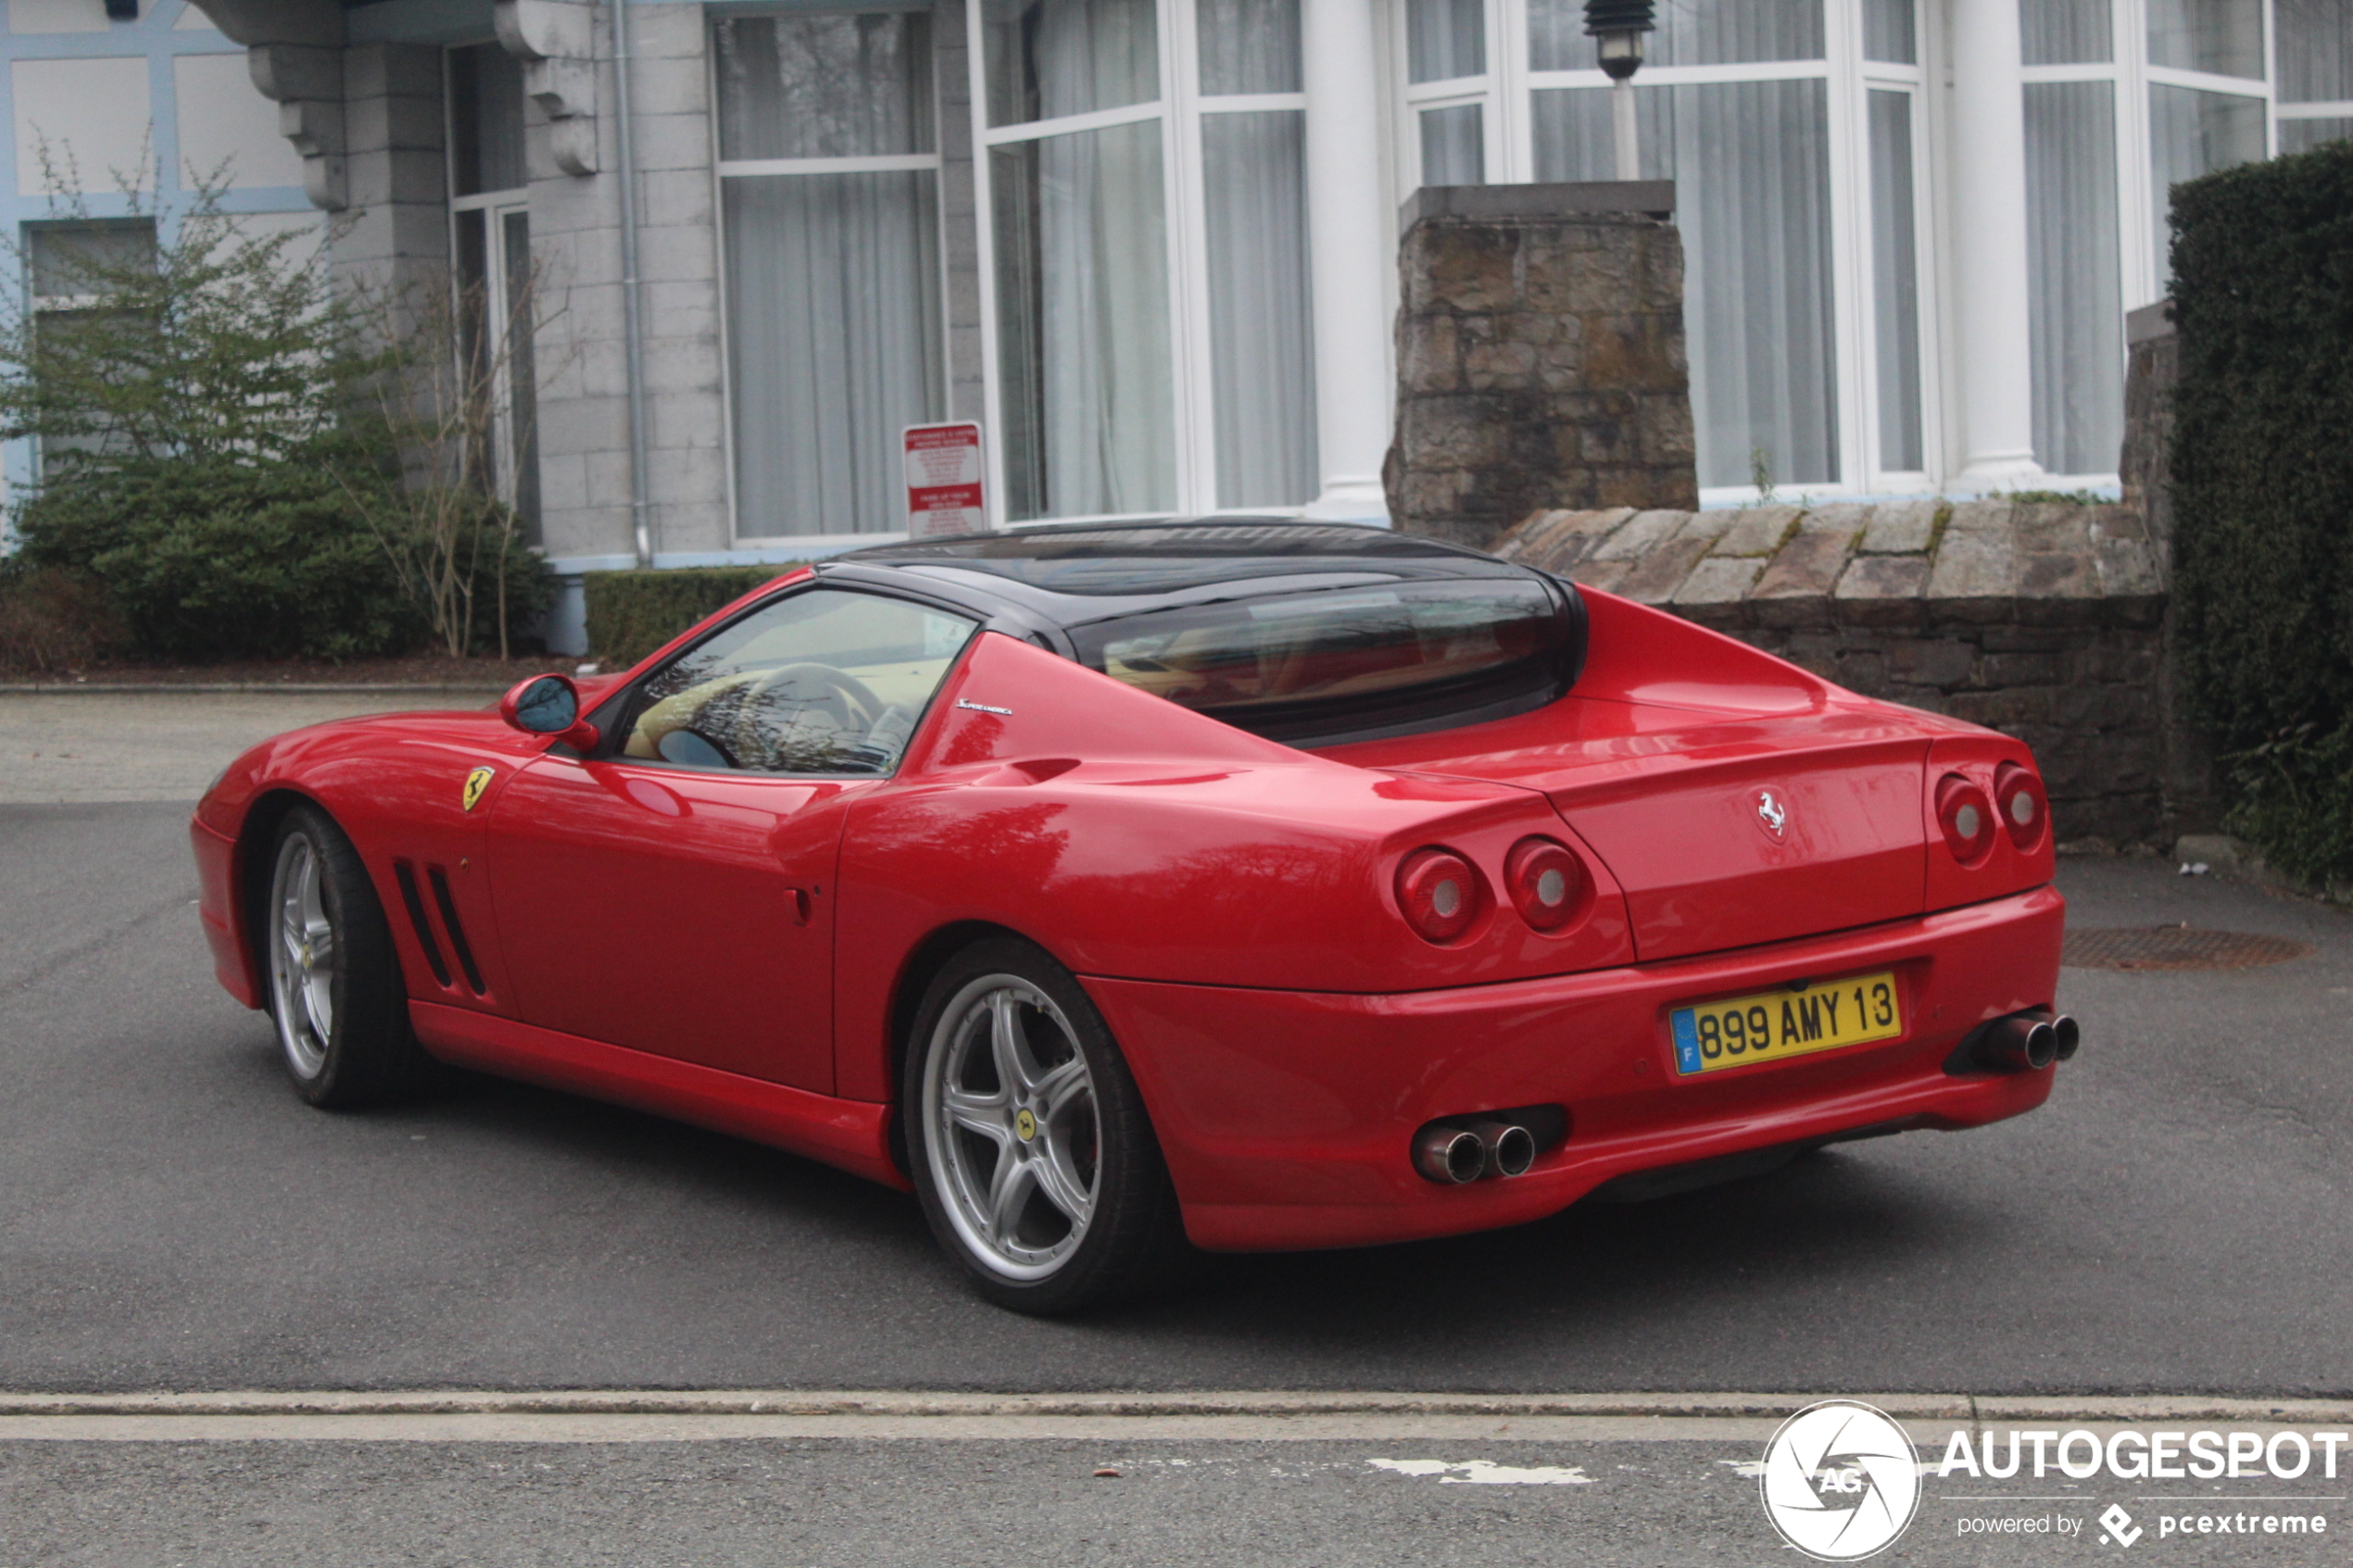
x: 2176, y: 946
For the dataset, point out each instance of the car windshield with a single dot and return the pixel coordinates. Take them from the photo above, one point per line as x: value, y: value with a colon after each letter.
x: 1346, y: 664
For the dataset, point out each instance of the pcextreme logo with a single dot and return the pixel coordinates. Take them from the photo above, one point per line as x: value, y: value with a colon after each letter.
x: 1841, y: 1483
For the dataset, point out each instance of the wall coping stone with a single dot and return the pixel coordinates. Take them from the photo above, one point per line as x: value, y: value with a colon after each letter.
x: 1893, y: 564
x: 1488, y: 204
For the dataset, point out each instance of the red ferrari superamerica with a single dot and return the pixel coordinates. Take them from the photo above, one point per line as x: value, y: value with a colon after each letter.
x: 1234, y: 884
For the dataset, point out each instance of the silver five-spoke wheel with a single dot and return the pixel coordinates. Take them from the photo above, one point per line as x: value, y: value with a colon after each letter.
x: 303, y: 956
x: 333, y: 980
x: 1010, y: 1107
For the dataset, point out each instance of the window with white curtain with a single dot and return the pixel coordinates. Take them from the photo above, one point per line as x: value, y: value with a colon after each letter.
x: 2314, y: 97
x: 1153, y: 340
x: 2209, y: 103
x: 2076, y: 314
x: 829, y: 220
x: 490, y: 247
x: 1752, y: 163
x: 1446, y: 87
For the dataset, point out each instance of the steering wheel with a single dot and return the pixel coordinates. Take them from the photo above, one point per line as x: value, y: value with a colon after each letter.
x: 848, y: 705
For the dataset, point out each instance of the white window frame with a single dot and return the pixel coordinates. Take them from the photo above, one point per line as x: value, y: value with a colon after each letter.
x: 883, y: 163
x: 498, y: 308
x: 1848, y: 78
x: 1180, y: 110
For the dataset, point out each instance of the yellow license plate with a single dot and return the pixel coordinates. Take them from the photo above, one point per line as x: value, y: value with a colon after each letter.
x: 1772, y: 1025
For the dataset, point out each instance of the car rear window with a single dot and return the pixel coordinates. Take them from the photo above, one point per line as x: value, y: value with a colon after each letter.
x: 1350, y: 664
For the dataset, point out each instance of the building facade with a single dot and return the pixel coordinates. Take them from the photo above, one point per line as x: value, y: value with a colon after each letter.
x: 119, y: 111
x: 1149, y: 244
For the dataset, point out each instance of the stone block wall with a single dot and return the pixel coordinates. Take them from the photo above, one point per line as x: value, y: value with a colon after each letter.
x: 1540, y: 350
x: 2045, y: 622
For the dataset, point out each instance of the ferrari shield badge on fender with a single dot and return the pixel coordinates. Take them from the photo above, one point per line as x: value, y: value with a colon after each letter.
x: 476, y: 782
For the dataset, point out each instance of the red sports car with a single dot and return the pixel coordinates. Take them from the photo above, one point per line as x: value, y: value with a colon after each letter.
x: 1233, y: 883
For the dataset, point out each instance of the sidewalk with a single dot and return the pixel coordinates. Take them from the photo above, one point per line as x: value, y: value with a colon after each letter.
x: 70, y: 747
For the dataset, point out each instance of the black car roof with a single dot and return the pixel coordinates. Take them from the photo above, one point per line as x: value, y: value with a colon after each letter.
x: 1069, y: 574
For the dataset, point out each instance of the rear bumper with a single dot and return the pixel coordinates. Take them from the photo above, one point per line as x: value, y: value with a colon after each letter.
x: 1287, y: 1116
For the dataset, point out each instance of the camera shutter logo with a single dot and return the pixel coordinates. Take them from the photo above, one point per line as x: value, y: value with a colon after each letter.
x: 1840, y: 1481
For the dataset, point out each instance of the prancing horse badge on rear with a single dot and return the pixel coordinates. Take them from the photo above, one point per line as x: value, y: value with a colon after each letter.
x: 476, y: 782
x: 1772, y: 812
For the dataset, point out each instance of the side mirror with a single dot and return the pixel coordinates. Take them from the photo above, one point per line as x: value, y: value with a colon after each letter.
x: 549, y: 705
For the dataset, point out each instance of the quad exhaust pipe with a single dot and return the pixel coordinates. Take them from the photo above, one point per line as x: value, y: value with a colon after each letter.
x: 1458, y: 1152
x: 2028, y: 1041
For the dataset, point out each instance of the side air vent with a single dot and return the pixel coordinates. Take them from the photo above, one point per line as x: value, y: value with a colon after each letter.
x: 449, y: 921
x: 416, y: 908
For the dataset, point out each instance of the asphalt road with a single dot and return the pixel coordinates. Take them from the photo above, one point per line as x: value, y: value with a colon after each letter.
x: 867, y: 1505
x: 2175, y: 1220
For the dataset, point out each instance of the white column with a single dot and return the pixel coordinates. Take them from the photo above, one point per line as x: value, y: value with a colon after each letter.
x: 1349, y: 253
x: 1989, y: 262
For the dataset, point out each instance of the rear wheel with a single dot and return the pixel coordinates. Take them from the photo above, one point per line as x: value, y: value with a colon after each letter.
x: 335, y: 980
x: 1033, y: 1156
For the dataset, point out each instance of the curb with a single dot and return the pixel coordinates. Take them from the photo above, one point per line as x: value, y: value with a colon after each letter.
x: 814, y: 1403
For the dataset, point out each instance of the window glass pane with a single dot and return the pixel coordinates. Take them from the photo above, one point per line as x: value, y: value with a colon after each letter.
x: 2076, y: 307
x: 820, y: 681
x: 1249, y: 45
x: 1445, y: 39
x: 1887, y: 31
x: 2064, y: 32
x: 70, y: 259
x: 2193, y: 133
x: 1690, y: 32
x: 1086, y: 386
x: 833, y: 342
x: 1896, y: 275
x: 824, y: 86
x: 2223, y: 36
x: 523, y: 381
x: 1454, y: 146
x: 2315, y: 51
x: 485, y: 121
x: 1315, y: 666
x: 2303, y: 135
x: 1752, y: 163
x: 77, y: 263
x: 1052, y: 57
x: 1262, y: 352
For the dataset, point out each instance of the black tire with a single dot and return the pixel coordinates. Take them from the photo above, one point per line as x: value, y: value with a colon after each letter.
x: 363, y: 1052
x: 1131, y: 1240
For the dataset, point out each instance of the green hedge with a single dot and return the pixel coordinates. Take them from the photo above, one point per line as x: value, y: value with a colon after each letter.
x: 632, y: 613
x: 2264, y: 493
x: 215, y: 557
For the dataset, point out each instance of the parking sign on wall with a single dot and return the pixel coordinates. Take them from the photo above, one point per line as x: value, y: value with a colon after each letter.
x: 943, y: 481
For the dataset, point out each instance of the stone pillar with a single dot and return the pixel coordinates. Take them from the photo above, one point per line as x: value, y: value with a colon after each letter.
x: 1540, y: 346
x: 1347, y: 240
x: 575, y: 228
x: 1988, y: 165
x: 394, y: 241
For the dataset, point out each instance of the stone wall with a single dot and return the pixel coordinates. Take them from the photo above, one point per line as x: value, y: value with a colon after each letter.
x: 2043, y: 621
x: 1539, y: 351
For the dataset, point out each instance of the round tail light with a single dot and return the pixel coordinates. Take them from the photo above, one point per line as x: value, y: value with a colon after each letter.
x: 2018, y: 795
x: 1438, y: 892
x: 1967, y: 817
x: 1547, y: 883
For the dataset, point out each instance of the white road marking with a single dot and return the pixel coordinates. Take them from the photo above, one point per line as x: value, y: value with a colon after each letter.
x: 1485, y: 1473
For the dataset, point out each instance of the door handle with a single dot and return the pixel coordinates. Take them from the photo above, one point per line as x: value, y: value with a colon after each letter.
x: 800, y: 906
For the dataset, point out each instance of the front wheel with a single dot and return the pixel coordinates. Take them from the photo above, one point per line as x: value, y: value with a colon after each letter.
x: 335, y: 980
x: 1033, y: 1156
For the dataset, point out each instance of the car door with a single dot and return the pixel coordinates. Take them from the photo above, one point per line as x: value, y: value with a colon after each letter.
x: 673, y: 891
